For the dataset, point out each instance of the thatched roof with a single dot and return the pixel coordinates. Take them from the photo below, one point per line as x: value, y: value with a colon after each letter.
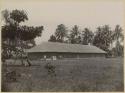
x: 63, y: 47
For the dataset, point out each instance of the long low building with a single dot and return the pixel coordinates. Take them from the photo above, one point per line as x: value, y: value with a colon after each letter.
x: 56, y: 50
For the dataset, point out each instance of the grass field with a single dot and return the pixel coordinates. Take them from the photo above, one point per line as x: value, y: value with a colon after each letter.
x: 74, y: 75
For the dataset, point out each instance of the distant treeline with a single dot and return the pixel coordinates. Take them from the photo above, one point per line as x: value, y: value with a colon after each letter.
x: 107, y: 39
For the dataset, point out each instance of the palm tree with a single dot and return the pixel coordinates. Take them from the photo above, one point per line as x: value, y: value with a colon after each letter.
x: 75, y: 31
x: 87, y: 36
x: 75, y: 35
x: 60, y: 33
x: 118, y: 37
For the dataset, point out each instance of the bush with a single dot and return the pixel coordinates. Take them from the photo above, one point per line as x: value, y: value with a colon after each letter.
x: 50, y: 69
x: 12, y: 76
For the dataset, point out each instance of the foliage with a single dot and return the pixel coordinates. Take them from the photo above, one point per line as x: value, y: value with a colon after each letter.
x: 117, y: 34
x: 24, y: 33
x: 18, y: 16
x: 102, y: 39
x: 15, y: 35
x: 74, y: 36
x: 87, y: 36
x: 29, y: 33
x: 118, y: 37
x: 118, y: 50
x: 52, y: 38
x: 60, y: 33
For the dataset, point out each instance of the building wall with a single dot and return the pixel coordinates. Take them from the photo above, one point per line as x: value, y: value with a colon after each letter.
x: 63, y: 55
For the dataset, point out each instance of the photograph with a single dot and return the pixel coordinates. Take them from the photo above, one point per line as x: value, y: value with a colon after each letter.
x: 62, y: 45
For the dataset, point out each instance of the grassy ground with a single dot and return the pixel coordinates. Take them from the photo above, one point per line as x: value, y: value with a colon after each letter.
x: 93, y: 74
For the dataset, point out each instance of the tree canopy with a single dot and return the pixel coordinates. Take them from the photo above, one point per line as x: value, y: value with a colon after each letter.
x: 52, y: 38
x: 14, y: 34
x: 118, y: 37
x: 87, y: 36
x: 60, y: 33
x: 74, y: 36
x: 102, y: 39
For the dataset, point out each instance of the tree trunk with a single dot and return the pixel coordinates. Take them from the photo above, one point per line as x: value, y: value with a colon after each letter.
x: 21, y: 52
x: 15, y: 57
x: 28, y: 62
x: 22, y: 59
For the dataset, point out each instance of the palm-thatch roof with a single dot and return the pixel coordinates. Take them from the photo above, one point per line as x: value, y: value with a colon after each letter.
x: 65, y: 48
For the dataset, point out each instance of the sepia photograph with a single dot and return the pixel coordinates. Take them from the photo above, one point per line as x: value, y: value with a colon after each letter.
x: 62, y: 45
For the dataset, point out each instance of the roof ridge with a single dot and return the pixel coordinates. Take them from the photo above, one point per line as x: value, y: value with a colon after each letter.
x: 64, y: 43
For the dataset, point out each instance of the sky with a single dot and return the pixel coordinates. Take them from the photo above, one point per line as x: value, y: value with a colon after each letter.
x: 49, y: 14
